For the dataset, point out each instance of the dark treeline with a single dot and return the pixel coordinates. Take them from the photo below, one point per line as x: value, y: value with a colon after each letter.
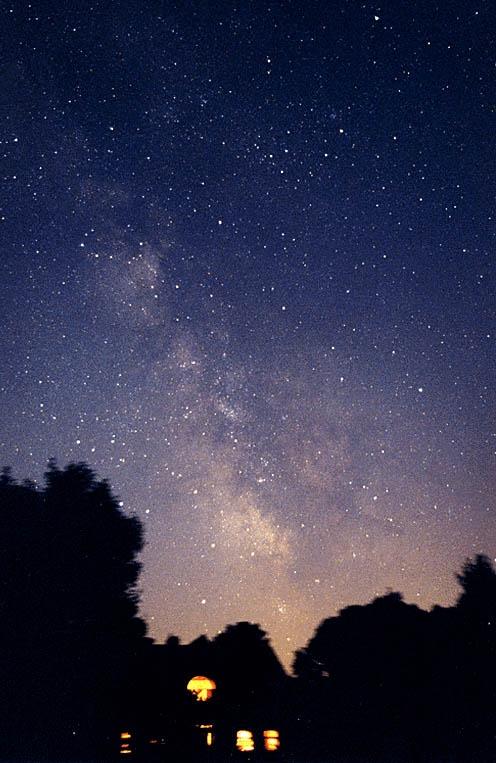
x: 389, y: 681
x: 385, y: 681
x: 68, y: 612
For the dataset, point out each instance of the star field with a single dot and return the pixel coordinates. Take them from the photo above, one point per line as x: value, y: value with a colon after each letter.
x: 248, y: 275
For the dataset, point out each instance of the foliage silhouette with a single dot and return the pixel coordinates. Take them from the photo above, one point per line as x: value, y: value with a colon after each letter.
x: 360, y: 669
x: 250, y: 688
x: 69, y: 628
x: 388, y: 681
x: 379, y: 682
x: 474, y: 666
x: 253, y: 681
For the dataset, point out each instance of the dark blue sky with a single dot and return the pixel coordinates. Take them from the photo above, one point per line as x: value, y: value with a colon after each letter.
x: 248, y: 275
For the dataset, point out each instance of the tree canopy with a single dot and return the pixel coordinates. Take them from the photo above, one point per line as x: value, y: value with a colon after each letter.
x: 381, y: 681
x: 68, y: 606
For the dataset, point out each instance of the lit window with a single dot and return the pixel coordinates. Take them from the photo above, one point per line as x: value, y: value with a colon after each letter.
x: 209, y: 736
x: 244, y: 741
x: 124, y: 746
x: 201, y: 687
x: 272, y: 741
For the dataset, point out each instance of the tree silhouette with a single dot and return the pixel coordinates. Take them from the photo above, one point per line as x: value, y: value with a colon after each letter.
x: 388, y: 681
x: 361, y: 680
x: 252, y: 685
x: 68, y: 611
x: 245, y: 647
x: 379, y: 682
x: 250, y: 690
x: 474, y: 662
x: 478, y: 582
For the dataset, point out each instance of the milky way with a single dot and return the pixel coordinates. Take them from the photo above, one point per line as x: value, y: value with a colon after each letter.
x: 248, y: 276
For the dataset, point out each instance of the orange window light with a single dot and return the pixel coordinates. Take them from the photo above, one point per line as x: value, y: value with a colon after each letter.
x: 125, y: 747
x: 272, y: 740
x: 244, y: 741
x: 201, y: 687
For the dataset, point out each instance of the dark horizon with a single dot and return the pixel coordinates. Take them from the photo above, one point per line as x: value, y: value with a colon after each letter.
x: 81, y: 680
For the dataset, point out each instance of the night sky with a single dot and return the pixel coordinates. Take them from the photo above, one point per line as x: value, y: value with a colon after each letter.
x: 247, y: 275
